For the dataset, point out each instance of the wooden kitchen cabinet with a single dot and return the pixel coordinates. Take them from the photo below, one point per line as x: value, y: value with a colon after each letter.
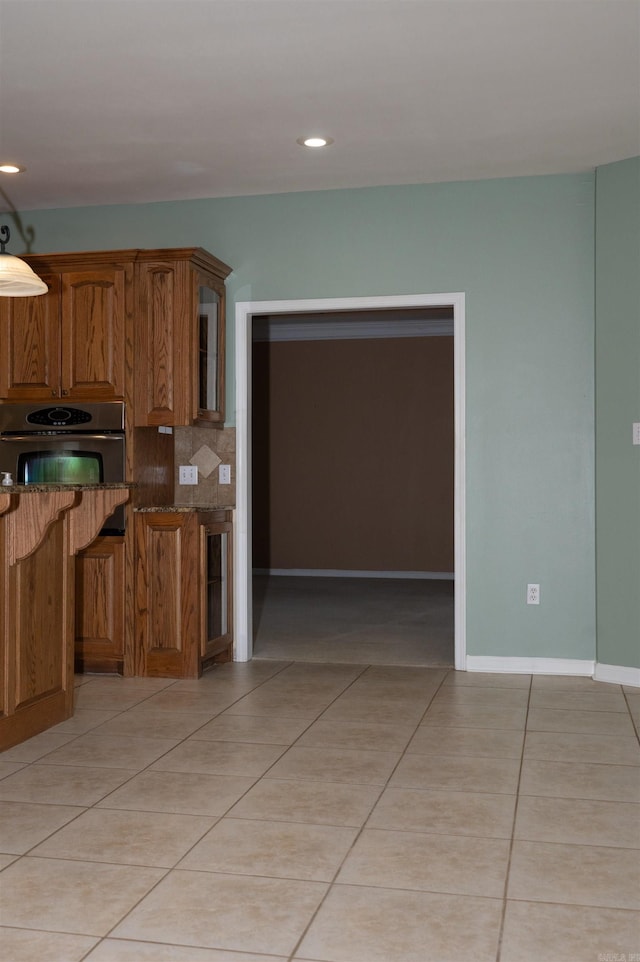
x: 72, y: 341
x: 180, y: 338
x: 41, y: 532
x: 217, y: 599
x: 30, y: 358
x: 36, y: 590
x: 100, y: 620
x: 183, y: 592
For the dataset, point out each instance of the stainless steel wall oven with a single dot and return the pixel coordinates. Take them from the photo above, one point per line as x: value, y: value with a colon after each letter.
x: 65, y: 444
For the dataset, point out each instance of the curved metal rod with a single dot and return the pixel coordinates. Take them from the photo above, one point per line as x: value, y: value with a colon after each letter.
x: 27, y: 234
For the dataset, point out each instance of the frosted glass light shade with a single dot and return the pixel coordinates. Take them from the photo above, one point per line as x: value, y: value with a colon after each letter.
x: 17, y: 279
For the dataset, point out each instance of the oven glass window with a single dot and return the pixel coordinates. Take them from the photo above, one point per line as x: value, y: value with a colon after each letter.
x: 60, y: 467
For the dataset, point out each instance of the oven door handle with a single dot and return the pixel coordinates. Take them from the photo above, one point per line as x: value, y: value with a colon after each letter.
x: 39, y: 438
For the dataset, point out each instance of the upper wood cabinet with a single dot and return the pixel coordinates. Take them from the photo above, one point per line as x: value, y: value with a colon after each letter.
x: 179, y: 337
x: 144, y: 325
x: 72, y: 341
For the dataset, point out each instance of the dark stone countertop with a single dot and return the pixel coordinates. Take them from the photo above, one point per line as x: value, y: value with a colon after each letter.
x: 39, y: 488
x: 182, y: 508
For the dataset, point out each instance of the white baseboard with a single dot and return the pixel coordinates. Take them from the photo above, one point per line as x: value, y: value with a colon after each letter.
x: 349, y: 573
x: 618, y: 675
x: 614, y: 674
x: 530, y: 666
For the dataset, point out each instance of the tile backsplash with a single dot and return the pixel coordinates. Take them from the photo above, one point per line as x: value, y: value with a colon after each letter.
x: 206, y: 448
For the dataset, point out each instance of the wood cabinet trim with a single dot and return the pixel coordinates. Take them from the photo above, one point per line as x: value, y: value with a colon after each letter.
x: 199, y: 258
x: 70, y: 260
x: 78, y: 260
x: 91, y: 513
x: 30, y: 518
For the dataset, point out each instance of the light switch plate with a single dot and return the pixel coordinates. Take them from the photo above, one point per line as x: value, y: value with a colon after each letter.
x: 188, y: 474
x: 636, y: 432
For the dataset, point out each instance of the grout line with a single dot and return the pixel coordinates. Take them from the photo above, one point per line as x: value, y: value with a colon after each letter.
x: 513, y: 828
x: 634, y: 723
x: 217, y: 818
x: 365, y: 822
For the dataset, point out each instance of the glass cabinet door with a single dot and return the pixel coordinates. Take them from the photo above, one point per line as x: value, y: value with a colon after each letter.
x: 217, y: 600
x: 217, y: 585
x: 210, y: 353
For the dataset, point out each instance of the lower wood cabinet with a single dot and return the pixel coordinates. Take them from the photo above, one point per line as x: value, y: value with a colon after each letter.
x: 100, y: 592
x: 183, y: 592
x: 41, y: 535
x: 36, y: 632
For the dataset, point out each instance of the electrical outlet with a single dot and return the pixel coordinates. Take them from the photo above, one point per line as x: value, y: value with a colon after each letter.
x: 188, y: 474
x: 224, y: 474
x: 636, y: 432
x: 533, y: 594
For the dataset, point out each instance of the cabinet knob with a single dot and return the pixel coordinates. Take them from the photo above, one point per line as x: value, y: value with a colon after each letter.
x: 64, y: 391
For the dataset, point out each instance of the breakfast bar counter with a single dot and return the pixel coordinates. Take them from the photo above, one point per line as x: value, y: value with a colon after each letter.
x: 42, y: 528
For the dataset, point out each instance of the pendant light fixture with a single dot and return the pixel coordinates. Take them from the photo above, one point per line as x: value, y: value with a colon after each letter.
x: 16, y: 277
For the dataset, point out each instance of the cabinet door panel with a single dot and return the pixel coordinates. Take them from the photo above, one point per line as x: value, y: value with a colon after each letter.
x: 168, y: 617
x: 211, y: 349
x: 30, y: 345
x: 99, y: 644
x: 164, y: 345
x: 39, y: 679
x: 93, y: 331
x: 217, y: 564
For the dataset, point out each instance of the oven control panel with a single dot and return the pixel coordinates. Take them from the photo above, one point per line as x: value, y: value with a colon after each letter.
x: 59, y: 417
x: 93, y: 416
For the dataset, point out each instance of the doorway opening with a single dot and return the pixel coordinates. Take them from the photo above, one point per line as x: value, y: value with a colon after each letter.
x: 405, y: 317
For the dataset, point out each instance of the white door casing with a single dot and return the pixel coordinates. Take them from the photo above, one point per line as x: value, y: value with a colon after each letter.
x: 245, y: 312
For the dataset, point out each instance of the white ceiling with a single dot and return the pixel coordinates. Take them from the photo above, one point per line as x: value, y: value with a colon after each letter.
x: 121, y: 101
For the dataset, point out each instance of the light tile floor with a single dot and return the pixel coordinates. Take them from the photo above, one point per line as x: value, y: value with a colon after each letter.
x: 280, y: 811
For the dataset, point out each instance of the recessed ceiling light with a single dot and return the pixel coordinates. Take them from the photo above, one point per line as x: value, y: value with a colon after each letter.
x: 11, y: 169
x: 314, y: 141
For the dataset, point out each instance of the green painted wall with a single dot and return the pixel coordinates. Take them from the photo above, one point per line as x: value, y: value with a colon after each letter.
x: 522, y: 251
x: 617, y: 408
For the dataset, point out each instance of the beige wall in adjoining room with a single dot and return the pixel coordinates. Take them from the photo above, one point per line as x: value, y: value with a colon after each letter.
x: 353, y: 454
